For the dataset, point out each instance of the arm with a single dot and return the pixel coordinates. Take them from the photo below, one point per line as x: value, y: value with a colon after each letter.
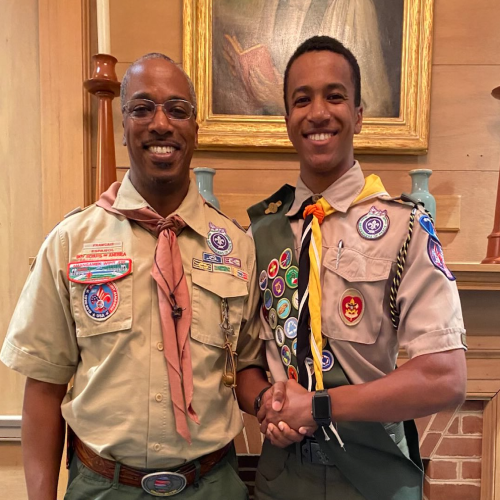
x: 424, y: 385
x: 42, y: 437
x: 250, y: 382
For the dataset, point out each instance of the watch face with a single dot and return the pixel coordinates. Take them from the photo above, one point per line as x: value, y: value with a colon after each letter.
x: 321, y: 406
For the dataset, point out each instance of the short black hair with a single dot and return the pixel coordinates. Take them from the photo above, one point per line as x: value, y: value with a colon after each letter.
x: 320, y: 43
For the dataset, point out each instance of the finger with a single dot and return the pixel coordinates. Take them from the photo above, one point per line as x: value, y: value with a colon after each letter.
x: 290, y: 434
x: 307, y: 431
x: 278, y: 396
x: 277, y: 437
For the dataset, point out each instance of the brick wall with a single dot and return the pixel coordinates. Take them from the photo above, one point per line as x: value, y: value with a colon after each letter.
x: 450, y: 445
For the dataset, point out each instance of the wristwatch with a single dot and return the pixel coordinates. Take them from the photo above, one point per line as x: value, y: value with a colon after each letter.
x: 258, y: 399
x: 321, y: 408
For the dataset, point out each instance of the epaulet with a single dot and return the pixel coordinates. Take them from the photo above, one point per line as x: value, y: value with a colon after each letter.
x: 280, y: 200
x: 218, y: 210
x: 404, y: 199
x: 76, y: 210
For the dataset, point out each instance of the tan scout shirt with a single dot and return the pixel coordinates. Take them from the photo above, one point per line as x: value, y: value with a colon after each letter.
x: 120, y: 402
x: 431, y: 317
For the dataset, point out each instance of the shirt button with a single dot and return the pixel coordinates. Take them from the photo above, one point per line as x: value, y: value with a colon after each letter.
x: 158, y: 397
x: 157, y: 447
x: 159, y: 346
x: 316, y: 197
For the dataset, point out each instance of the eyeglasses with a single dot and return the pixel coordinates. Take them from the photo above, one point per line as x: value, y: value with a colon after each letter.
x: 143, y: 110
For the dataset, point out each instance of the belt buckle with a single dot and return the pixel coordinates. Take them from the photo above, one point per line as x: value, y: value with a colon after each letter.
x: 163, y: 484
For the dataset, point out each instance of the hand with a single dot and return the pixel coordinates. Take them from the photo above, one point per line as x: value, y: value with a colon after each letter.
x: 273, y: 397
x: 282, y: 436
x: 295, y: 411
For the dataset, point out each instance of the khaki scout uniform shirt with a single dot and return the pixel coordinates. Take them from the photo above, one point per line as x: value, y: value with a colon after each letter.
x: 430, y: 313
x: 120, y: 402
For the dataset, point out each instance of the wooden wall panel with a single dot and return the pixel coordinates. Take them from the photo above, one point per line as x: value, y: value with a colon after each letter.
x: 20, y: 173
x: 63, y: 68
x: 466, y: 32
x: 140, y: 27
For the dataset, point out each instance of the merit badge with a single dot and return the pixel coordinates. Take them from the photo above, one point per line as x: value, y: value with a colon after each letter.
x: 203, y: 266
x: 428, y: 227
x: 265, y: 313
x: 263, y: 280
x: 286, y: 258
x: 351, y: 307
x: 286, y: 355
x: 279, y: 335
x: 436, y: 255
x: 292, y: 277
x: 98, y: 271
x: 374, y: 224
x: 232, y: 261
x: 292, y: 373
x: 100, y: 301
x: 327, y: 361
x: 210, y: 257
x: 290, y: 327
x: 278, y: 287
x: 272, y: 269
x: 268, y: 299
x: 294, y: 346
x: 295, y: 299
x: 283, y: 308
x: 273, y: 318
x: 218, y: 240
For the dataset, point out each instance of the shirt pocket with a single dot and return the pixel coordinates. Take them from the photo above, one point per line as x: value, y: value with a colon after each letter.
x: 207, y: 293
x: 102, y: 307
x: 360, y: 273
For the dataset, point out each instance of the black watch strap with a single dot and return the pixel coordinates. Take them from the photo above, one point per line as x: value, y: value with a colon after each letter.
x: 258, y: 399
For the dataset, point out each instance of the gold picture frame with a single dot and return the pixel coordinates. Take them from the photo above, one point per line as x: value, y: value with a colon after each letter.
x: 406, y: 133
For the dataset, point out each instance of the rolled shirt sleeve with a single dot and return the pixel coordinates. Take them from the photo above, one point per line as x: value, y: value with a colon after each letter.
x: 430, y: 311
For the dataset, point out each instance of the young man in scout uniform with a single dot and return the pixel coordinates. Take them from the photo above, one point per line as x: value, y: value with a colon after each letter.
x: 144, y: 300
x: 342, y: 291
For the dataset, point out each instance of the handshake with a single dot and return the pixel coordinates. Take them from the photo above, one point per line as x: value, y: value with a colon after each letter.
x: 285, y: 415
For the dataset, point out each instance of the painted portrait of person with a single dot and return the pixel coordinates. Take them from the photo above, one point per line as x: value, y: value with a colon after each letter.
x: 253, y: 40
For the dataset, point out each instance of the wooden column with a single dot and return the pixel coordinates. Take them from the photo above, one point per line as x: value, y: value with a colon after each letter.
x: 493, y: 251
x: 105, y: 86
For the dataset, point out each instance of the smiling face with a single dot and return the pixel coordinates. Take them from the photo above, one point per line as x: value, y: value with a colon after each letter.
x: 160, y: 151
x: 322, y: 118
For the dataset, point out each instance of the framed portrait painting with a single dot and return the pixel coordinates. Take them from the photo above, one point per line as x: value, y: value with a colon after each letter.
x: 236, y: 52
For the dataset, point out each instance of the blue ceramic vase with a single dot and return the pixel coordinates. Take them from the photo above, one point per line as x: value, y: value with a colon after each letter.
x: 420, y: 189
x: 205, y: 181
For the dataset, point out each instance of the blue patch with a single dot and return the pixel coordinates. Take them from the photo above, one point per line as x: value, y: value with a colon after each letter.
x: 428, y: 227
x: 437, y: 258
x: 100, y: 301
x: 327, y: 361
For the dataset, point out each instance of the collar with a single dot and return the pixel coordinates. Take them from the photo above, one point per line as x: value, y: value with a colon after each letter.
x: 128, y: 198
x: 339, y: 195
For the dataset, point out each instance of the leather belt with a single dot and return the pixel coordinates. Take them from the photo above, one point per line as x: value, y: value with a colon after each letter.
x: 157, y: 482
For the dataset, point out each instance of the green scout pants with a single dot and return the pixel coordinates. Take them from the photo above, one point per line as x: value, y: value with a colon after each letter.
x: 222, y: 482
x: 281, y: 475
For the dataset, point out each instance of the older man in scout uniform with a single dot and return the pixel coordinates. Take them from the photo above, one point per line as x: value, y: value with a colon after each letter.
x: 342, y: 291
x: 144, y: 300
